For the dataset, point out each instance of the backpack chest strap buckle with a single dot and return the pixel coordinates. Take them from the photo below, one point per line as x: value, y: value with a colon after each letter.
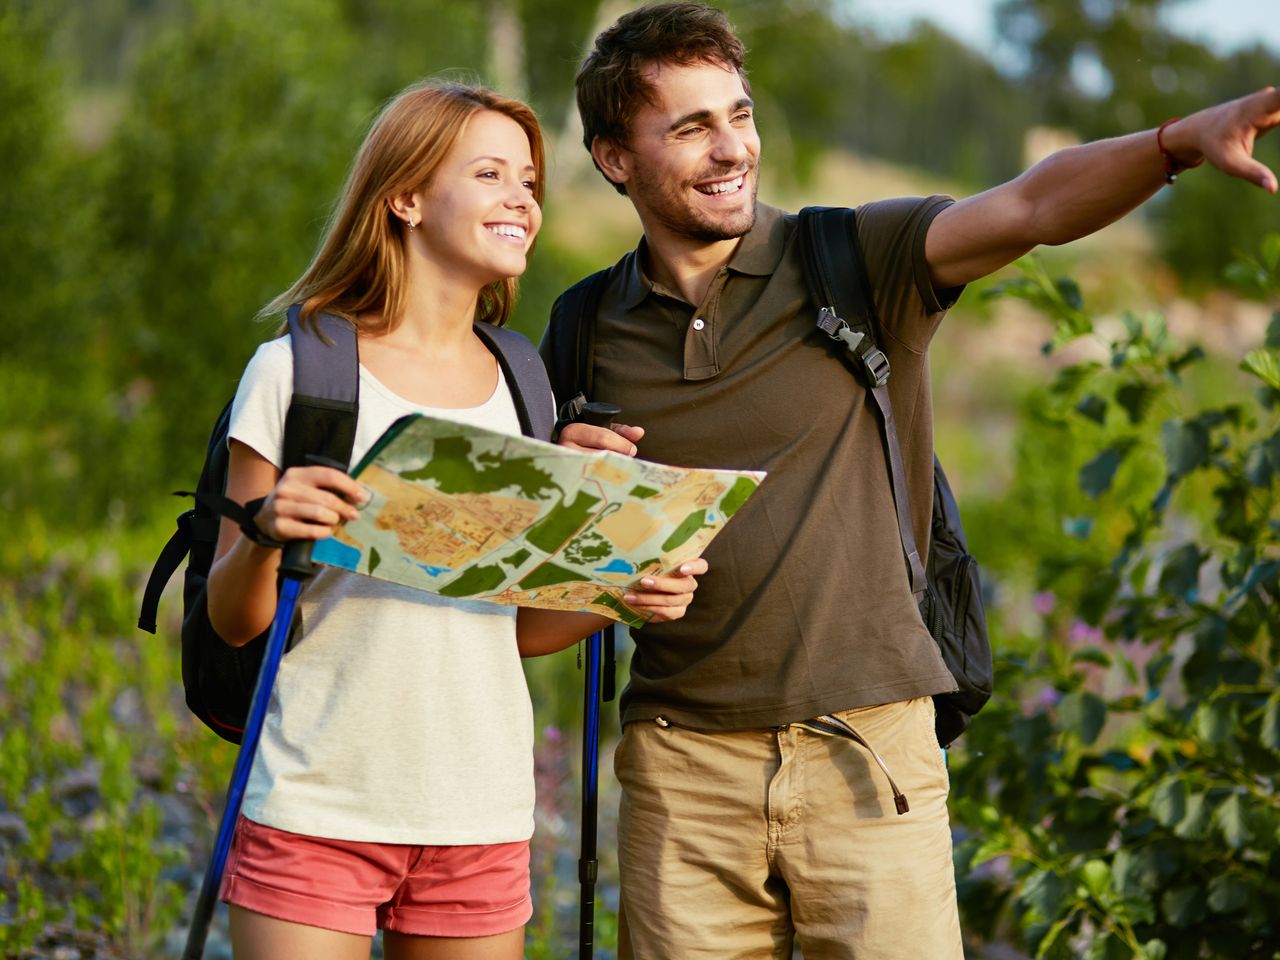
x: 872, y: 360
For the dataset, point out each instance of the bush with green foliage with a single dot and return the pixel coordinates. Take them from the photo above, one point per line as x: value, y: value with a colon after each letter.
x: 1120, y: 793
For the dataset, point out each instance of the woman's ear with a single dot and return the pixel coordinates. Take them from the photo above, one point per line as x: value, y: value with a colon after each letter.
x: 406, y: 207
x: 613, y: 159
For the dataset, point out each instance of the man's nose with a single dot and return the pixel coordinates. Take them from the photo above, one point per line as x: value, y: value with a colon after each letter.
x: 730, y: 146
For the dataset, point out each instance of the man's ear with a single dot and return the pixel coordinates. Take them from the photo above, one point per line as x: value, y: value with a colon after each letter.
x: 613, y: 159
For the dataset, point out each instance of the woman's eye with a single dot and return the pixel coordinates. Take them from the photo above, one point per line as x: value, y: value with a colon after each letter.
x: 490, y: 174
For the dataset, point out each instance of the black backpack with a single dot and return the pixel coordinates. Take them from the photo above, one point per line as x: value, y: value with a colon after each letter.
x: 321, y: 421
x: 947, y: 586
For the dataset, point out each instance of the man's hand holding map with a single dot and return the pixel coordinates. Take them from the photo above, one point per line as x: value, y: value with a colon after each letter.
x: 467, y: 512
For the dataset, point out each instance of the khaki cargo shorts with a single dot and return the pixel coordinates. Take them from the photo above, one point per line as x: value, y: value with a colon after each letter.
x: 736, y: 844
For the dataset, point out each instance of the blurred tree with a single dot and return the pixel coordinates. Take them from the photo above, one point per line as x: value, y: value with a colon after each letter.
x: 557, y: 35
x: 219, y: 179
x: 47, y: 377
x: 1105, y: 67
x: 925, y: 100
x: 962, y: 118
x: 392, y: 43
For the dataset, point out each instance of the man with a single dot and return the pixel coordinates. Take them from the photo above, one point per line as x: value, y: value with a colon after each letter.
x: 741, y: 830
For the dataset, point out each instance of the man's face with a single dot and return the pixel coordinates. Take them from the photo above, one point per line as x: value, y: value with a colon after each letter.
x: 690, y: 166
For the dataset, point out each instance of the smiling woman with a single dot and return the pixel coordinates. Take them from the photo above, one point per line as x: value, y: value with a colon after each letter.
x: 393, y: 785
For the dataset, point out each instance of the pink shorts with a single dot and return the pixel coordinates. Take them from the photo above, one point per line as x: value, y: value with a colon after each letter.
x: 353, y: 887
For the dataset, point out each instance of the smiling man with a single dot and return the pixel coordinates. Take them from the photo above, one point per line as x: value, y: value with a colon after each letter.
x: 740, y: 830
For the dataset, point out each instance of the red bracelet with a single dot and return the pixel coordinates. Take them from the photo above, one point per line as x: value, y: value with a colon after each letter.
x: 1171, y: 166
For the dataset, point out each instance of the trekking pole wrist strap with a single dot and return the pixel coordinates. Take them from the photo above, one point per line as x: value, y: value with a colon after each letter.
x: 249, y: 526
x: 242, y: 516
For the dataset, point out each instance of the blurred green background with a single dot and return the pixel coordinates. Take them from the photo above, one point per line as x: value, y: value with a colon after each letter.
x: 167, y: 167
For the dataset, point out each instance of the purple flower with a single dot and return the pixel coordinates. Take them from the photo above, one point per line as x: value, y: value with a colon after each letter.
x: 1082, y: 633
x: 1044, y: 602
x: 551, y: 733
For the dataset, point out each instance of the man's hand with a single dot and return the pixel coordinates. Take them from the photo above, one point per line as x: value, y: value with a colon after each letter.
x: 1079, y: 190
x: 619, y: 438
x: 1224, y: 136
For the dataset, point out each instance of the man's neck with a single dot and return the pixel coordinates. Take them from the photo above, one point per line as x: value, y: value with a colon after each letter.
x: 686, y: 265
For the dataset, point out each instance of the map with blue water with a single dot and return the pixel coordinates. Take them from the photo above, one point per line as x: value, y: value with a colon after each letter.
x: 466, y: 512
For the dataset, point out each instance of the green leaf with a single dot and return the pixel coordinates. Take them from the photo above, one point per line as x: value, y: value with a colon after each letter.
x: 1183, y: 906
x: 1186, y: 446
x: 1053, y: 944
x: 1091, y: 655
x: 1157, y: 669
x: 1269, y: 734
x: 1045, y: 894
x: 1215, y: 721
x: 1262, y: 461
x: 990, y: 848
x: 1083, y: 714
x: 1096, y: 876
x: 1154, y: 950
x: 1169, y: 802
x: 1093, y: 407
x: 1097, y: 597
x: 1136, y: 399
x: 1271, y: 251
x: 1069, y: 291
x: 1097, y: 474
x: 1273, y: 332
x: 1180, y: 574
x: 1233, y: 820
x: 1227, y: 893
x: 1263, y: 363
x: 1247, y: 277
x: 1195, y: 825
x: 1109, y: 946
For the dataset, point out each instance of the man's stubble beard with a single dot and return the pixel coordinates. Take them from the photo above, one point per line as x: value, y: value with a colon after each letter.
x: 683, y: 220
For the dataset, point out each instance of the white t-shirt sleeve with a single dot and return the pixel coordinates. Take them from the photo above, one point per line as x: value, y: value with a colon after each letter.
x: 262, y: 400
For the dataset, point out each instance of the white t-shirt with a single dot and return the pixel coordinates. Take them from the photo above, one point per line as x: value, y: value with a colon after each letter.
x: 398, y: 716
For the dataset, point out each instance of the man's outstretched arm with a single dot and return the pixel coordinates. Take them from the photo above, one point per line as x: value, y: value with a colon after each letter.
x: 1082, y: 189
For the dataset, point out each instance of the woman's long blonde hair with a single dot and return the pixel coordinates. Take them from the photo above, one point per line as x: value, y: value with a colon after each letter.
x: 360, y: 266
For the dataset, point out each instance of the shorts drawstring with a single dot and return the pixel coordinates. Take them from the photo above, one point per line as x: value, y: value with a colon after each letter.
x: 830, y: 726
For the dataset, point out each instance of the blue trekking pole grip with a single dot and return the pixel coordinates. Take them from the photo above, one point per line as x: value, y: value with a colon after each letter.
x: 295, y: 569
x: 597, y: 414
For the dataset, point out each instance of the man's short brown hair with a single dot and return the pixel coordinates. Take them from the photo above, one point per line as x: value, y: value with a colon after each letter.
x: 610, y: 83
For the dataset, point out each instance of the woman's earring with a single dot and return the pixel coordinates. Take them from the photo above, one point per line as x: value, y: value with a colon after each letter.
x: 411, y: 223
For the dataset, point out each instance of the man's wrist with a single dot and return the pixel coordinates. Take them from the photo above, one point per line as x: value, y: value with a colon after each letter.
x: 1179, y: 149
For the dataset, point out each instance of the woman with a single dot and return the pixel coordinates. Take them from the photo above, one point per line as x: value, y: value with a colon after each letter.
x: 393, y: 787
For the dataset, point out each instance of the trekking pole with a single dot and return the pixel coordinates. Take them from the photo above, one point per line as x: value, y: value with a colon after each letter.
x: 598, y: 415
x: 295, y: 569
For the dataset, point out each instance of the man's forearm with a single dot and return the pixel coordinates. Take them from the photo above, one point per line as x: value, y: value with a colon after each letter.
x: 1081, y: 189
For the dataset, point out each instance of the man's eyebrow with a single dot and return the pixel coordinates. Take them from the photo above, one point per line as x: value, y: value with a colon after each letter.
x: 701, y: 116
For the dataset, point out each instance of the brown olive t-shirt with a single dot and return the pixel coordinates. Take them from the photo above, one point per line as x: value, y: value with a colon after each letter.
x: 806, y: 608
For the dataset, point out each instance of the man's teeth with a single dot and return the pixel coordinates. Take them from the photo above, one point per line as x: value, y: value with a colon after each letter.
x: 508, y: 230
x: 725, y: 186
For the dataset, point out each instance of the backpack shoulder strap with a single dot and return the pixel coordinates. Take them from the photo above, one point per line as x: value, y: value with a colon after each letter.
x: 836, y: 273
x: 321, y: 420
x: 569, y: 343
x: 526, y: 377
x: 837, y: 277
x: 326, y: 389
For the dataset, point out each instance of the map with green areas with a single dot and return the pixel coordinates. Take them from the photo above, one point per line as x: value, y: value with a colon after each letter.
x: 466, y: 512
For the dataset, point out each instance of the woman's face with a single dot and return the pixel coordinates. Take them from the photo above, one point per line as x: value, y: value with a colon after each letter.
x: 478, y: 215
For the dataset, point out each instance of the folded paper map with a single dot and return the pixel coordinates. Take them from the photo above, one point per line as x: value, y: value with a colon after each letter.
x: 467, y: 512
